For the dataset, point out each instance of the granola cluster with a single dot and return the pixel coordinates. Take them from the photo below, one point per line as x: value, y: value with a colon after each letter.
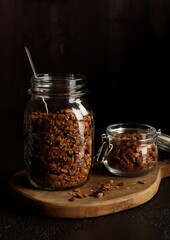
x: 130, y: 155
x: 59, y: 148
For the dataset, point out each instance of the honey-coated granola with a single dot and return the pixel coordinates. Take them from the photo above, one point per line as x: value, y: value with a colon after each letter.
x: 58, y: 148
x: 129, y: 154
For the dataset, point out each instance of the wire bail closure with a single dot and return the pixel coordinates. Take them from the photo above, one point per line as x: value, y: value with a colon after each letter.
x: 104, y: 149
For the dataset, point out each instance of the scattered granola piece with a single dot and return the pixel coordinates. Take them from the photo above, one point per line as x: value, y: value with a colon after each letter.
x: 141, y: 182
x: 72, y: 199
x: 98, y: 193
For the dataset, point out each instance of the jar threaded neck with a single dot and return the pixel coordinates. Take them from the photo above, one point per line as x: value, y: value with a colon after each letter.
x: 59, y: 85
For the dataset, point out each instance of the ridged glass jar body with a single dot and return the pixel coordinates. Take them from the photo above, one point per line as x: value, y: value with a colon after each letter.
x: 58, y: 132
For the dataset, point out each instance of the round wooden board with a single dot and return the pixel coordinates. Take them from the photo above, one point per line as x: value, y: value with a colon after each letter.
x: 128, y: 193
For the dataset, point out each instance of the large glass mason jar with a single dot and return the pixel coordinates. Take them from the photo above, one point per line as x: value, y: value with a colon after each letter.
x: 58, y: 132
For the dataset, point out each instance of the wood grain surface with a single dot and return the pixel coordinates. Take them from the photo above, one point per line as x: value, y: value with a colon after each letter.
x: 128, y: 193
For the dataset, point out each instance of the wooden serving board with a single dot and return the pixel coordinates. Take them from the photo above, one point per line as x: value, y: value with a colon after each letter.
x: 128, y: 193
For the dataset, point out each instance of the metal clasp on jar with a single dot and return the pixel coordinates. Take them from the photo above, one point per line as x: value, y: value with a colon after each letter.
x: 104, y: 149
x: 163, y: 141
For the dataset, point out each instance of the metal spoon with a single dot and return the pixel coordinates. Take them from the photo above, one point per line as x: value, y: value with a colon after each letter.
x: 34, y: 71
x: 31, y: 62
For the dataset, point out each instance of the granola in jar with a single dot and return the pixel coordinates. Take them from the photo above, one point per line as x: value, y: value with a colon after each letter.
x: 58, y: 145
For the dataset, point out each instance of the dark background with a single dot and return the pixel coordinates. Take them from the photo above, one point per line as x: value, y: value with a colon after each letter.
x: 122, y: 46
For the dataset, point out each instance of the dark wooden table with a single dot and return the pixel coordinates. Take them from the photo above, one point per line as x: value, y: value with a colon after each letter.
x: 148, y: 221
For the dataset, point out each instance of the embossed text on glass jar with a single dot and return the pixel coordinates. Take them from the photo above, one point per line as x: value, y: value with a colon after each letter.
x: 58, y: 132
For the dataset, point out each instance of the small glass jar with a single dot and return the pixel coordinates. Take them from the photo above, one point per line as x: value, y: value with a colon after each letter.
x: 129, y: 149
x: 58, y: 132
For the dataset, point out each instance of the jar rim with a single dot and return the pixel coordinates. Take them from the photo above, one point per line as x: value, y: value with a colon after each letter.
x: 58, y: 84
x: 143, y: 131
x: 58, y: 76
